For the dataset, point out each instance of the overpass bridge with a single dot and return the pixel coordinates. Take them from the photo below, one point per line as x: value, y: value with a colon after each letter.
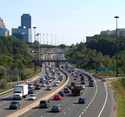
x: 77, y: 61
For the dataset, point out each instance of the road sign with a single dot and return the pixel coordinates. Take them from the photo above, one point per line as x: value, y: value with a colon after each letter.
x: 111, y: 68
x: 96, y: 72
x: 101, y: 68
x: 12, y: 72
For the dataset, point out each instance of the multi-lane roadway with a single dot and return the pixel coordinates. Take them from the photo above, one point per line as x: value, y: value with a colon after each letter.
x: 99, y: 102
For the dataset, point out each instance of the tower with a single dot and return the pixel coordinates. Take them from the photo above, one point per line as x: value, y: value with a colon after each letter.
x: 26, y: 21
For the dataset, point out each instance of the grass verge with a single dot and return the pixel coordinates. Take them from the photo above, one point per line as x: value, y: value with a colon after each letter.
x: 120, y: 91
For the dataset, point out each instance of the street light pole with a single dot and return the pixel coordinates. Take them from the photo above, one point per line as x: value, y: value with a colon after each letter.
x: 43, y: 38
x: 116, y: 48
x: 47, y: 39
x: 34, y: 49
x: 51, y: 39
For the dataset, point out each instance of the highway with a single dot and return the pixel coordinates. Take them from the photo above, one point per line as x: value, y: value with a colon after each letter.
x: 6, y: 99
x: 99, y: 102
x: 96, y: 101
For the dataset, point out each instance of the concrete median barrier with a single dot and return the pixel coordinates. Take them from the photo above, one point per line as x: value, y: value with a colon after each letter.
x: 36, y: 103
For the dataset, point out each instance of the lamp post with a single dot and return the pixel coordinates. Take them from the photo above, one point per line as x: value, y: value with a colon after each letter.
x: 55, y: 39
x: 38, y: 46
x: 34, y: 48
x: 116, y: 48
x: 43, y: 38
x: 47, y: 39
x: 51, y: 39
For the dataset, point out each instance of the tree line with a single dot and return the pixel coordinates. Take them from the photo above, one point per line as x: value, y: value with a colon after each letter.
x: 100, y: 51
x: 14, y: 55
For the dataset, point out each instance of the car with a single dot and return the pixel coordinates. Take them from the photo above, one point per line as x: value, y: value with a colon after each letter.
x: 32, y: 97
x: 75, y: 78
x: 47, y: 82
x: 49, y: 87
x: 30, y: 86
x: 104, y: 80
x: 57, y: 97
x: 66, y: 90
x: 72, y: 83
x: 83, y: 86
x: 44, y: 104
x: 55, y: 84
x: 14, y: 104
x: 43, y: 84
x: 82, y: 78
x: 36, y: 83
x: 56, y: 108
x: 91, y: 80
x: 69, y: 87
x: 42, y: 80
x: 38, y: 86
x: 81, y: 100
x: 50, y: 80
x: 91, y: 84
x: 61, y: 93
x: 82, y: 82
x: 58, y: 81
x: 31, y: 91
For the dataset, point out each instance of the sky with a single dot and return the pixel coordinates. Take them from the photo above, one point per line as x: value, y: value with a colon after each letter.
x: 65, y: 21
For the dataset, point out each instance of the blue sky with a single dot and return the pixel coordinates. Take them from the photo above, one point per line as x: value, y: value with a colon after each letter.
x: 70, y: 20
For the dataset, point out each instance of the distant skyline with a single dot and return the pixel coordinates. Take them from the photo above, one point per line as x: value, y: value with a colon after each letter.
x: 69, y: 20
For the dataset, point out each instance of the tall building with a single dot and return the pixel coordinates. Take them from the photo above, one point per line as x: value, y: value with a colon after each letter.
x: 88, y: 38
x: 2, y: 25
x: 22, y: 33
x: 3, y: 30
x: 26, y: 21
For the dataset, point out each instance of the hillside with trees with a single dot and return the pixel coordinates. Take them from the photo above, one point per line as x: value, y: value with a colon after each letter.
x: 100, y: 52
x: 14, y: 55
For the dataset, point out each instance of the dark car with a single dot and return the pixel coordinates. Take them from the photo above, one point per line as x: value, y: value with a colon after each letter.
x: 91, y: 80
x: 42, y: 80
x: 30, y: 86
x: 82, y: 82
x: 31, y: 91
x: 81, y: 100
x: 38, y: 87
x: 61, y: 93
x: 72, y: 84
x: 44, y: 104
x: 56, y: 108
x: 69, y: 87
x: 14, y: 104
x: 91, y: 84
x: 66, y: 90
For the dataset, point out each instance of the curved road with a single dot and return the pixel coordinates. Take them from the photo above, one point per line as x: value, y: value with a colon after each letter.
x: 96, y: 104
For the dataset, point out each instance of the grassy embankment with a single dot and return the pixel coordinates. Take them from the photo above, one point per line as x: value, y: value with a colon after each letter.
x: 120, y: 91
x: 32, y: 73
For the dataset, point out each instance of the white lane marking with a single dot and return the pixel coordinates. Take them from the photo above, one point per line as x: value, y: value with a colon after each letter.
x: 69, y: 108
x: 82, y: 113
x: 63, y: 101
x: 65, y: 113
x: 66, y: 98
x: 104, y: 102
x: 79, y: 115
x: 73, y: 104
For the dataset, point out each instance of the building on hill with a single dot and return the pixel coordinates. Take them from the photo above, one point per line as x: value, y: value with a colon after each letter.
x: 88, y: 38
x: 120, y: 31
x: 3, y: 30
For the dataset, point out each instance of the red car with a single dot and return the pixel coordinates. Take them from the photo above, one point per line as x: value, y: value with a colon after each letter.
x: 57, y: 97
x: 36, y: 83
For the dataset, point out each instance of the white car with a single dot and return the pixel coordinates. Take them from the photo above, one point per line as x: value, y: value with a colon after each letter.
x: 57, y: 81
x: 49, y: 87
x: 55, y: 84
x: 83, y: 86
x: 43, y: 84
x: 32, y: 97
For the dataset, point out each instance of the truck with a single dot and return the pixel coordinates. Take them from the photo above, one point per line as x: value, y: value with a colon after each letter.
x: 76, y: 90
x: 20, y: 91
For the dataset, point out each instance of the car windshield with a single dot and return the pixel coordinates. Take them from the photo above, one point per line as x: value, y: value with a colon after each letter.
x: 32, y: 95
x: 14, y: 102
x: 48, y: 86
x: 55, y: 106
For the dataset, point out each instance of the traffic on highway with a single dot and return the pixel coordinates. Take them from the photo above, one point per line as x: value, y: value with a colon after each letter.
x: 82, y: 96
